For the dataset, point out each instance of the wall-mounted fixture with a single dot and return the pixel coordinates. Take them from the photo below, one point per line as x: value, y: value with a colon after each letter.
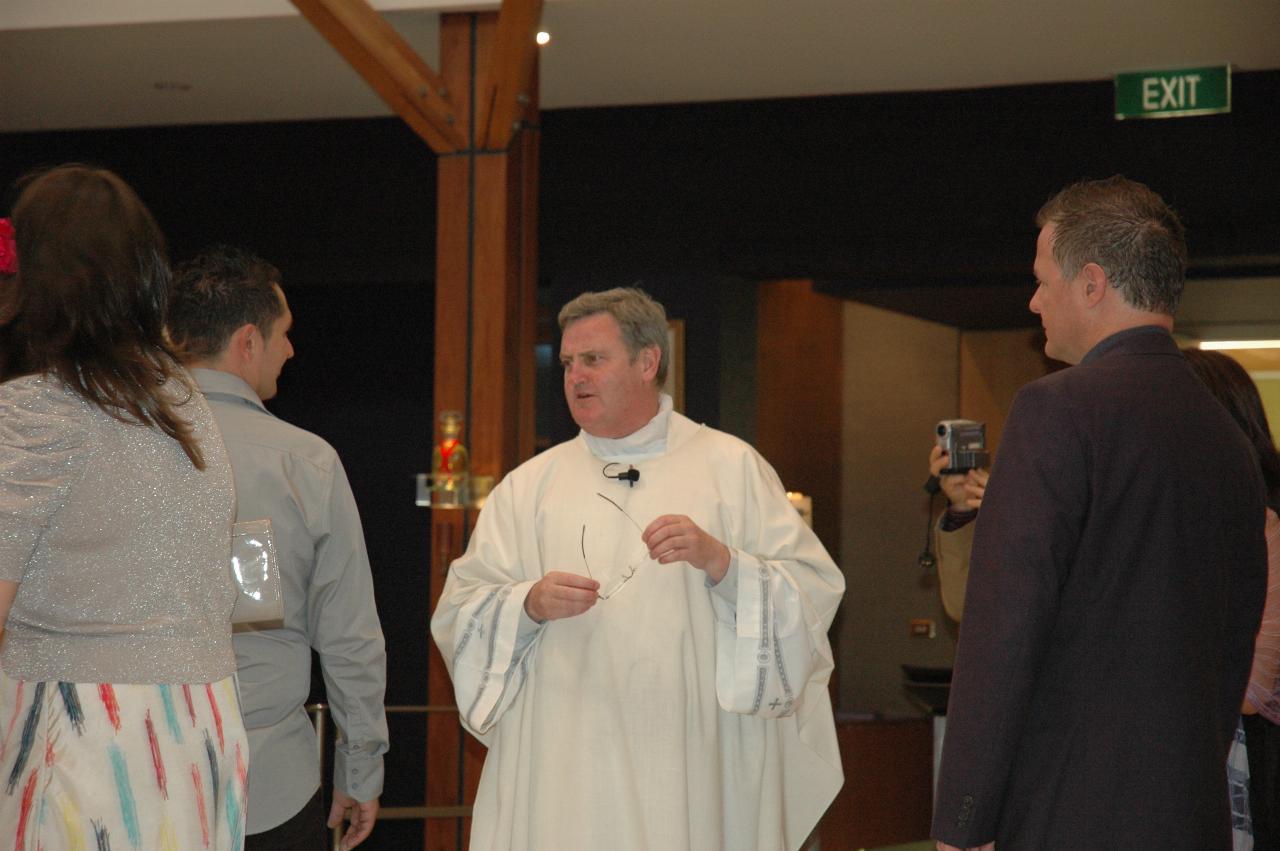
x: 450, y: 483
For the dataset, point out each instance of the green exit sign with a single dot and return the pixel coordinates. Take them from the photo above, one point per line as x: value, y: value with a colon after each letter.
x: 1172, y: 92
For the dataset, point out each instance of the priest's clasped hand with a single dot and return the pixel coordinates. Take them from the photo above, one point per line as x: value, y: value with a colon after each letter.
x: 674, y: 537
x: 560, y: 595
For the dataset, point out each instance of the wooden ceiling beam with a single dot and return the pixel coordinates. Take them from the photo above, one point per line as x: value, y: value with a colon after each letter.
x: 391, y: 66
x: 511, y: 72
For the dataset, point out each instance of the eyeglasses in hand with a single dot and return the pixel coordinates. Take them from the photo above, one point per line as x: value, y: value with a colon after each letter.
x: 630, y: 570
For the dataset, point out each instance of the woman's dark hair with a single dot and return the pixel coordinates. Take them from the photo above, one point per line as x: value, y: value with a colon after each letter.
x: 1233, y: 387
x: 88, y: 303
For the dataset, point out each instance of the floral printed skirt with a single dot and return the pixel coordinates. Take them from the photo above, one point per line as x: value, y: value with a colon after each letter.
x: 97, y: 765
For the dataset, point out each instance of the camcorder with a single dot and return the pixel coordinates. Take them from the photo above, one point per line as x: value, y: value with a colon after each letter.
x: 965, y: 443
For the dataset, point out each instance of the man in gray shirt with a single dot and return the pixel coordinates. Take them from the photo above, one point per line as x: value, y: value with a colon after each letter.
x: 230, y: 319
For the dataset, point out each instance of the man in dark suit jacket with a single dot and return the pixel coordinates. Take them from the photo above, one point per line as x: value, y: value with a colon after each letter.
x: 1118, y: 570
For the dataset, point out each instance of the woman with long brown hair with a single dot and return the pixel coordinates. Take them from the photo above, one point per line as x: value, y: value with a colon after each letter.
x: 119, y: 720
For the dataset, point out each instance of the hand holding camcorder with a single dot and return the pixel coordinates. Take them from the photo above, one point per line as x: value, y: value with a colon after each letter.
x: 965, y: 443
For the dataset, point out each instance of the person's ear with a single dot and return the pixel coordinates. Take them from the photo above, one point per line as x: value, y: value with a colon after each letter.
x: 245, y: 342
x: 1095, y: 283
x: 650, y: 357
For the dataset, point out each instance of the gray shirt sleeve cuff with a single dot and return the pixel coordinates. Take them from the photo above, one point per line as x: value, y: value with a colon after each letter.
x: 358, y: 771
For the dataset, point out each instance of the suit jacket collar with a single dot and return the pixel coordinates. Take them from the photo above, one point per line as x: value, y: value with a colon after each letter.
x: 1144, y: 339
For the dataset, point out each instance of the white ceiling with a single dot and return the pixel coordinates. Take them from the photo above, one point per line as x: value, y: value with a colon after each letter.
x: 109, y: 63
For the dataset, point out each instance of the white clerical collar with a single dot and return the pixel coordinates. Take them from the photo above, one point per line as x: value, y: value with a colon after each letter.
x: 645, y: 442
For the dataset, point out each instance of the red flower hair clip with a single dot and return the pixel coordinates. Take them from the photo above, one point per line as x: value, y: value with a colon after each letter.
x: 8, y: 249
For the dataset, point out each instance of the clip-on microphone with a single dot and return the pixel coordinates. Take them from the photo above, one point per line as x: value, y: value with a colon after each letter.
x: 630, y: 475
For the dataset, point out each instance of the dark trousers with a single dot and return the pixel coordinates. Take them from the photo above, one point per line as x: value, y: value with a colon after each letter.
x: 1262, y: 740
x: 306, y: 831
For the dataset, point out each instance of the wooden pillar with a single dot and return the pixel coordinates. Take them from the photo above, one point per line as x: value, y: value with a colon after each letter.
x: 486, y: 272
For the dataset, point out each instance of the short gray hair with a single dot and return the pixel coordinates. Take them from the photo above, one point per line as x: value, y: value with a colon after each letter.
x: 1129, y: 231
x: 643, y: 321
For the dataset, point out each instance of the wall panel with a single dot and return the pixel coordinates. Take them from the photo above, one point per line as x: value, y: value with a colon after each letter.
x: 798, y: 369
x: 900, y: 378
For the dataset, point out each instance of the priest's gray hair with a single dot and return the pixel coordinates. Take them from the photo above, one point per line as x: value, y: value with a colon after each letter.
x: 1129, y: 231
x: 643, y: 321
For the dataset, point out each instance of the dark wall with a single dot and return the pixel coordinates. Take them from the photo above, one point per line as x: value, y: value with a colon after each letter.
x: 326, y: 201
x: 901, y: 186
x: 902, y: 200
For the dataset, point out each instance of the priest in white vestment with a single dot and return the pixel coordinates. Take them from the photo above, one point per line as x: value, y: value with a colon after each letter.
x: 638, y: 628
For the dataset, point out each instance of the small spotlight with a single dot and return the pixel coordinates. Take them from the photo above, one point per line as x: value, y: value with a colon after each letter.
x: 543, y: 37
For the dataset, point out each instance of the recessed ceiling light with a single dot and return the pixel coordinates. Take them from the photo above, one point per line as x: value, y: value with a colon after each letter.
x: 543, y: 37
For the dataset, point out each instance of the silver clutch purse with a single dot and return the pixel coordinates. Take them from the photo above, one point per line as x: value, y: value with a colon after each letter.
x: 255, y: 573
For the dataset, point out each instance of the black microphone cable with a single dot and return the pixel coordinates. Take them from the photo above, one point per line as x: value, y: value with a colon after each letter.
x: 630, y: 475
x: 928, y: 561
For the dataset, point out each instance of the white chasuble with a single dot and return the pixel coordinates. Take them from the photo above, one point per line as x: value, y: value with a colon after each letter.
x: 670, y: 715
